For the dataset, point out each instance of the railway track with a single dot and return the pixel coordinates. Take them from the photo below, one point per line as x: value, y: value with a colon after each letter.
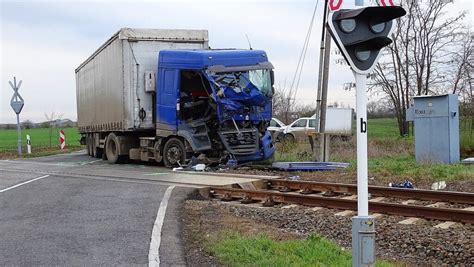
x: 379, y: 191
x: 331, y: 195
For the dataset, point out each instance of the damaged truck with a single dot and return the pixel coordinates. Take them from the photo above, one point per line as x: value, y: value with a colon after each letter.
x: 165, y: 96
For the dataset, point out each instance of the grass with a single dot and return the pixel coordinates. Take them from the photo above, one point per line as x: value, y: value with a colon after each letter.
x: 39, y: 138
x: 235, y: 249
x: 405, y: 167
x: 382, y: 128
x: 390, y: 155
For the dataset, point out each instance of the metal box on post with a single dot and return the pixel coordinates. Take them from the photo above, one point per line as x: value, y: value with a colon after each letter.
x: 436, y: 123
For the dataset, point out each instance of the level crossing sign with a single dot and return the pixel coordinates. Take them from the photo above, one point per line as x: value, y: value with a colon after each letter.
x: 17, y: 101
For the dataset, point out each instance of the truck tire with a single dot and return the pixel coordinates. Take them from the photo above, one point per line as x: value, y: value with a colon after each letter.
x: 112, y: 149
x: 174, y: 152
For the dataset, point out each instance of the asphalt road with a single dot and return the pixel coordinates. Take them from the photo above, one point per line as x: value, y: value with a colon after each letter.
x: 83, y: 211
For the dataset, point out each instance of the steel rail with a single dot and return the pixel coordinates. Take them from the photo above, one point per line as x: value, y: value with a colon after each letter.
x: 443, y: 214
x: 442, y: 196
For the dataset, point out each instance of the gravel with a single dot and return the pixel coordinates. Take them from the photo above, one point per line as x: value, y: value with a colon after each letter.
x: 414, y: 244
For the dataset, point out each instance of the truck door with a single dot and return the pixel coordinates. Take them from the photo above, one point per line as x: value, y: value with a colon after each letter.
x: 167, y: 96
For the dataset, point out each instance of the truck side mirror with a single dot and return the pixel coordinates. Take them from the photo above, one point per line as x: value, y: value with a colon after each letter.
x: 272, y: 77
x: 272, y: 81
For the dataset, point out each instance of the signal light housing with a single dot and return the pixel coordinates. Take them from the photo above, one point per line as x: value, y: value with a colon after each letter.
x: 361, y: 33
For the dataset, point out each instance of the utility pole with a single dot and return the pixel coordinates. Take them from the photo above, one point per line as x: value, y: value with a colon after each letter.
x: 321, y: 102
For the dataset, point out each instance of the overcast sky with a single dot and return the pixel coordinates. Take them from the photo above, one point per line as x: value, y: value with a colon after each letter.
x: 42, y: 42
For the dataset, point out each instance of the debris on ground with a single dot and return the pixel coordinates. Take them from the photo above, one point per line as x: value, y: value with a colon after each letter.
x: 405, y: 184
x: 438, y: 185
x: 294, y: 178
x: 310, y: 166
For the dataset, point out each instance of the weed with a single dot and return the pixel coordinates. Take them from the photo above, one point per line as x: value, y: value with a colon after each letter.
x: 234, y: 249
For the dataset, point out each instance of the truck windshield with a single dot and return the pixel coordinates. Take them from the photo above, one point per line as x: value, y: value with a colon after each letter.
x: 240, y: 81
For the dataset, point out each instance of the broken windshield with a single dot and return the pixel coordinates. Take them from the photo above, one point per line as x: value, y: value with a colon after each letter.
x: 243, y: 81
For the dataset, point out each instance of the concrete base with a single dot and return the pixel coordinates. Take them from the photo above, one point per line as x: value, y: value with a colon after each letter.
x: 363, y: 241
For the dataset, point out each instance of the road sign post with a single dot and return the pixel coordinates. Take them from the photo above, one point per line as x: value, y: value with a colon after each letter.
x: 360, y: 34
x: 62, y: 139
x: 17, y: 104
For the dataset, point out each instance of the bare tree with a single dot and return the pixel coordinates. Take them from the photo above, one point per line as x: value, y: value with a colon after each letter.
x: 283, y: 104
x: 52, y: 119
x: 418, y: 60
x: 463, y: 67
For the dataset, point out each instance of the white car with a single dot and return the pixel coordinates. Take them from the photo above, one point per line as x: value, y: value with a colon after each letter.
x: 300, y: 129
x: 276, y: 127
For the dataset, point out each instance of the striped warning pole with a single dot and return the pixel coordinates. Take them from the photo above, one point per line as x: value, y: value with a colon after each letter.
x: 28, y: 143
x: 62, y: 139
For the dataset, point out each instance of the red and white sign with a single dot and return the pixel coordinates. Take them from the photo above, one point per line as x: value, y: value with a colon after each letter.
x: 62, y: 139
x: 335, y: 5
x: 385, y: 3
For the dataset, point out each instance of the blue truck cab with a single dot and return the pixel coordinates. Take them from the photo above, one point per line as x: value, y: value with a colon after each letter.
x: 213, y: 105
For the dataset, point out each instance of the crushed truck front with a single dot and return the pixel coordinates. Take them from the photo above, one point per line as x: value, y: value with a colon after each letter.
x: 219, y: 101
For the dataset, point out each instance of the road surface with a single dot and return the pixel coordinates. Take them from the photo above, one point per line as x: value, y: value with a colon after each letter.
x: 71, y: 209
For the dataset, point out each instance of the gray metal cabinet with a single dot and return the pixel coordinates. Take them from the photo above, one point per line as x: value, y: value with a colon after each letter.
x: 436, y: 121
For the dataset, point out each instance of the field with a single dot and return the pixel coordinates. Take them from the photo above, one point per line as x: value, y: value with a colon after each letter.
x: 39, y: 141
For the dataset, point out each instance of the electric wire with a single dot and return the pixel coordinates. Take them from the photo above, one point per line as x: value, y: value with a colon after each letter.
x: 301, y: 60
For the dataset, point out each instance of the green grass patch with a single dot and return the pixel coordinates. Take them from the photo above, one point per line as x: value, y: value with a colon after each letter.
x: 234, y: 249
x: 39, y: 137
x: 406, y: 167
x: 382, y: 128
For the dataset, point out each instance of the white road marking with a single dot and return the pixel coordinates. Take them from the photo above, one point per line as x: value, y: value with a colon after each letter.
x: 90, y: 162
x: 20, y: 184
x: 154, y: 252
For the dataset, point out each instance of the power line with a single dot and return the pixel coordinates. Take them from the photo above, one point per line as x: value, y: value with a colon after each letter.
x: 299, y: 66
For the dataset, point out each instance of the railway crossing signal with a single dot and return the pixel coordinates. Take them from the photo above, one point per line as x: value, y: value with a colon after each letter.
x: 360, y: 34
x: 17, y: 101
x: 17, y: 104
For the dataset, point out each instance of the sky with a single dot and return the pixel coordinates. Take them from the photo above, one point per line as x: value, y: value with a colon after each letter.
x: 43, y: 42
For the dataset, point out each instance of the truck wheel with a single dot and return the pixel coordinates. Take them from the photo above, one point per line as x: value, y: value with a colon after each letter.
x: 174, y: 153
x: 112, y: 149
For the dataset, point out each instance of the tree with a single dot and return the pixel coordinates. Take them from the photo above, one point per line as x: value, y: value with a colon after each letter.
x: 463, y: 67
x: 420, y: 57
x: 52, y: 118
x: 283, y: 104
x: 28, y: 124
x: 287, y: 109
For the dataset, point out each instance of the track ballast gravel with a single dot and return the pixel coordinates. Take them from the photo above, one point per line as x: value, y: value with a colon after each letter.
x: 419, y: 244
